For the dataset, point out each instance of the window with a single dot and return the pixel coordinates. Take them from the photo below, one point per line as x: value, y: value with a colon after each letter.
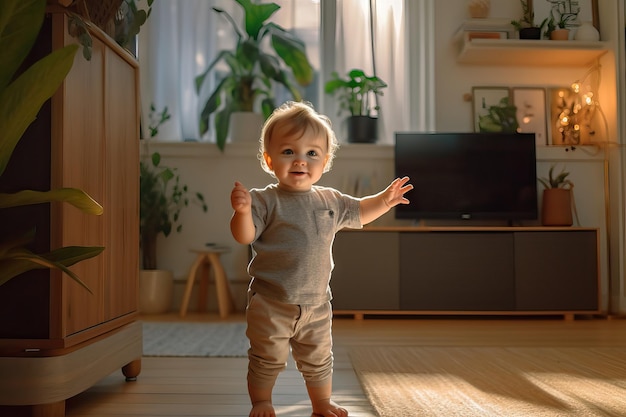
x: 178, y: 42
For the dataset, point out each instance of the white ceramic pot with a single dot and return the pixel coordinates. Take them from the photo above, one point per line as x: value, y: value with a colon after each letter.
x: 245, y: 127
x: 156, y: 288
x: 587, y: 32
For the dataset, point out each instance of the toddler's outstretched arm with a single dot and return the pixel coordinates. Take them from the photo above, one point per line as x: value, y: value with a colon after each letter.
x: 374, y: 206
x: 241, y: 225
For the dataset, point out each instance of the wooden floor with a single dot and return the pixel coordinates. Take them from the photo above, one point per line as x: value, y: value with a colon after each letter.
x: 179, y: 387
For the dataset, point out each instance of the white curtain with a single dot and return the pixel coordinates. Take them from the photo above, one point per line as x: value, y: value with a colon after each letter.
x: 175, y: 45
x: 354, y: 50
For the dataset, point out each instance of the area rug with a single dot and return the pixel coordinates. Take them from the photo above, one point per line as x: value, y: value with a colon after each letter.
x: 491, y: 381
x: 195, y: 339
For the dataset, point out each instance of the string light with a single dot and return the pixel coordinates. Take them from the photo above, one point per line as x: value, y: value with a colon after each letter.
x: 577, y: 108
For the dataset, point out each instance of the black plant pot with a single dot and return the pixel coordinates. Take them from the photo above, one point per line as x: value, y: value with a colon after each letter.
x: 362, y: 129
x: 530, y: 33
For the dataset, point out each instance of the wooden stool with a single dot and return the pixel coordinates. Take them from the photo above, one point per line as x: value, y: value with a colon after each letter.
x: 207, y: 257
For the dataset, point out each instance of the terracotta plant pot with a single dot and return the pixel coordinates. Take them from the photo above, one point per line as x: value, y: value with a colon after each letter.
x: 559, y: 35
x: 556, y: 208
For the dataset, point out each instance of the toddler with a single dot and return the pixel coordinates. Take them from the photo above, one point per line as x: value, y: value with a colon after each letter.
x: 291, y: 226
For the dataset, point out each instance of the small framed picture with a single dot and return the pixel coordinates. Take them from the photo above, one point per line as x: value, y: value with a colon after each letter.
x: 531, y: 112
x: 484, y: 99
x: 581, y: 10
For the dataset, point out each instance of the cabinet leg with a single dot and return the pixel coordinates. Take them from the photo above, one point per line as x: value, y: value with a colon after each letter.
x: 569, y: 317
x: 131, y: 370
x: 48, y: 410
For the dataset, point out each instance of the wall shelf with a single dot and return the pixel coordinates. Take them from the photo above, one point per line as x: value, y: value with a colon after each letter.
x: 516, y: 52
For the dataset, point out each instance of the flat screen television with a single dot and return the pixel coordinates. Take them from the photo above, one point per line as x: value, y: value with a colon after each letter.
x: 484, y: 176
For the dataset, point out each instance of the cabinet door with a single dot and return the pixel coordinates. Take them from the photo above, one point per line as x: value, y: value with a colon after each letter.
x: 121, y: 196
x: 366, y: 271
x: 78, y: 161
x: 556, y: 271
x: 456, y: 271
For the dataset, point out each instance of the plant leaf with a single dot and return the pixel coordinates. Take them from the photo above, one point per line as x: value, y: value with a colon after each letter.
x: 222, y: 120
x: 20, y: 21
x: 256, y: 15
x: 21, y: 100
x: 76, y: 197
x: 14, y: 263
x: 293, y: 53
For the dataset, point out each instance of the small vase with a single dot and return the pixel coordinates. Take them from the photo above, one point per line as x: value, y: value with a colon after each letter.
x: 587, y: 32
x: 478, y: 9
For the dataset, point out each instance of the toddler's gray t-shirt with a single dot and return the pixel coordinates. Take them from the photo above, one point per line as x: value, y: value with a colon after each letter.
x: 292, y: 251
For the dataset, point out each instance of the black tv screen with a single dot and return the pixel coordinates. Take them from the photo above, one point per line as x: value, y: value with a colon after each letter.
x: 486, y: 176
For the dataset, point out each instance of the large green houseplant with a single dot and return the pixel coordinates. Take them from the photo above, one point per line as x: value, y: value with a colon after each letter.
x: 21, y: 96
x: 254, y: 71
x: 357, y: 95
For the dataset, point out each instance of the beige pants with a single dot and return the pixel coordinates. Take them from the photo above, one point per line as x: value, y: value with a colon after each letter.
x: 274, y: 327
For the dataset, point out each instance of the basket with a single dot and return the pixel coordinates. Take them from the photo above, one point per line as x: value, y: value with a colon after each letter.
x: 99, y: 12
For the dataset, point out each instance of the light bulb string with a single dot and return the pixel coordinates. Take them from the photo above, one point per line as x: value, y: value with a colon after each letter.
x: 597, y: 108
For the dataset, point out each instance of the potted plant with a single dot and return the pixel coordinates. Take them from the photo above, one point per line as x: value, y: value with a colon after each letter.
x: 161, y: 199
x: 556, y: 27
x: 128, y: 21
x: 356, y: 94
x: 22, y: 93
x: 556, y: 207
x: 526, y: 24
x: 254, y: 71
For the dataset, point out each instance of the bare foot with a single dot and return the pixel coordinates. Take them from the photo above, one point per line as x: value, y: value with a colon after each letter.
x: 262, y: 409
x: 328, y: 408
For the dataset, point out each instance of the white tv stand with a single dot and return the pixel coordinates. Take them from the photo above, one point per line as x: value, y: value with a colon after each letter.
x: 467, y: 271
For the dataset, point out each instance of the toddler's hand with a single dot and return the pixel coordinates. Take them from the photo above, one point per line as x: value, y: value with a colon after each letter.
x: 240, y: 198
x: 394, y: 194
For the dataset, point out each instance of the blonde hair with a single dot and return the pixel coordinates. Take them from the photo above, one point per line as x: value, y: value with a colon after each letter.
x: 298, y: 118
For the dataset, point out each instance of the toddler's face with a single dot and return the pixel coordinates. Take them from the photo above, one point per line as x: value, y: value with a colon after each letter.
x: 297, y: 162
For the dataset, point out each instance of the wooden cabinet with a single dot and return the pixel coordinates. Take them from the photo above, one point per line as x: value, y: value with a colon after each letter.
x: 366, y: 271
x: 86, y: 136
x: 456, y: 271
x: 491, y: 270
x: 555, y: 270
